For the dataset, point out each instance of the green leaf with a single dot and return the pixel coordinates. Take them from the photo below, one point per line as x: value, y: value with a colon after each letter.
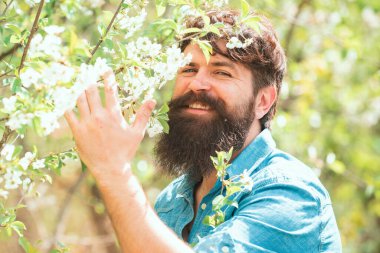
x: 15, y: 38
x: 244, y: 8
x: 4, y: 220
x: 16, y: 85
x: 160, y: 7
x: 209, y: 220
x: 214, y: 29
x: 206, y: 49
x: 164, y: 109
x: 17, y: 151
x: 83, y: 166
x: 232, y: 189
x: 206, y: 19
x: 253, y: 22
x: 26, y: 245
x: 164, y: 125
x: 101, y: 29
x: 338, y: 167
x: 48, y: 178
x: 36, y: 122
x: 16, y: 29
x: 191, y: 30
x: 18, y: 227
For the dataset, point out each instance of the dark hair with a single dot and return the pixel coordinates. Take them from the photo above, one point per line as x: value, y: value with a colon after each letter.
x: 264, y: 56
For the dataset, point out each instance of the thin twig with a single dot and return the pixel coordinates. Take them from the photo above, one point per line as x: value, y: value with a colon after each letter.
x: 32, y: 32
x: 7, y: 133
x: 290, y: 33
x: 10, y: 51
x: 107, y: 30
x: 64, y: 207
x: 6, y: 73
x: 6, y: 8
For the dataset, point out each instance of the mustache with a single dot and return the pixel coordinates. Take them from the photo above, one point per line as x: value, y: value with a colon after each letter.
x: 201, y: 97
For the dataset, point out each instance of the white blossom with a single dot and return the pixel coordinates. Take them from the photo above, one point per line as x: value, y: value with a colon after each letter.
x: 19, y: 119
x: 3, y: 194
x: 12, y: 179
x: 64, y: 99
x: 50, y: 45
x: 9, y: 104
x: 131, y: 24
x: 247, y: 42
x: 101, y: 66
x: 53, y: 29
x: 246, y: 180
x: 57, y: 72
x: 31, y: 3
x: 38, y: 164
x: 234, y: 42
x: 25, y: 183
x: 154, y: 128
x: 26, y: 160
x: 48, y: 121
x: 96, y: 3
x: 7, y: 151
x: 29, y: 77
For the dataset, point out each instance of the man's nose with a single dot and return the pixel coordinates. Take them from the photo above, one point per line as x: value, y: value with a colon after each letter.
x: 200, y: 82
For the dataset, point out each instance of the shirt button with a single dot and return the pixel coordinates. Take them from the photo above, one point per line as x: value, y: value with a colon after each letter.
x: 203, y: 206
x: 225, y: 249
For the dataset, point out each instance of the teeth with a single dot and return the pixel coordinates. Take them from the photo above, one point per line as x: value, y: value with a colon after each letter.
x: 199, y: 106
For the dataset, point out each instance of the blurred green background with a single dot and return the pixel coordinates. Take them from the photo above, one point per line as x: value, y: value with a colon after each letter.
x: 329, y: 114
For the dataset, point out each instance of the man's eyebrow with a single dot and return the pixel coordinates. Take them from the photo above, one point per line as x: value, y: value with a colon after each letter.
x: 223, y: 64
x: 216, y: 64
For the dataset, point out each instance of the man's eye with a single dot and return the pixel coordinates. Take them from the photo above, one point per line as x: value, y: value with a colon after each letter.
x: 223, y: 73
x: 189, y: 70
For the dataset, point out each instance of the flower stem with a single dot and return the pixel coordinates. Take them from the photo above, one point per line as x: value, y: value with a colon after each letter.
x: 32, y: 32
x: 107, y: 30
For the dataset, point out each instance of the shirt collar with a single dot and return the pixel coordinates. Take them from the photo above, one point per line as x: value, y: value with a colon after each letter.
x: 253, y: 155
x: 185, y: 189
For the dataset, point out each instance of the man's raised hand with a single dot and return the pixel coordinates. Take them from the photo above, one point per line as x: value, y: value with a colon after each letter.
x: 105, y: 142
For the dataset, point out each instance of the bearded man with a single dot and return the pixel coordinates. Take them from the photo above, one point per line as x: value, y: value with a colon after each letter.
x: 225, y: 102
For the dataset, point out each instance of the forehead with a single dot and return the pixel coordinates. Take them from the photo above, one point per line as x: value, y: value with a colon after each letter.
x: 199, y: 58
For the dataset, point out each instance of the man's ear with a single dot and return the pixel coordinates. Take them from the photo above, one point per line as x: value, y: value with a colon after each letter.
x: 265, y: 98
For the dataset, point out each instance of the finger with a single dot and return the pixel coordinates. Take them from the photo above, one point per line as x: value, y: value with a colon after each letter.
x: 143, y: 114
x: 110, y: 91
x: 82, y: 104
x: 93, y: 98
x: 71, y: 119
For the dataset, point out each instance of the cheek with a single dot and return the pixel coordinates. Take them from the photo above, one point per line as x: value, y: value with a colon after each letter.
x: 179, y: 87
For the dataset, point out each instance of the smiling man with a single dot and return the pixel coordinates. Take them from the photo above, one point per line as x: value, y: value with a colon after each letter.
x: 226, y: 102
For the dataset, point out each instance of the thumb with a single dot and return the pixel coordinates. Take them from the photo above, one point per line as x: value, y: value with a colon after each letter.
x: 143, y: 114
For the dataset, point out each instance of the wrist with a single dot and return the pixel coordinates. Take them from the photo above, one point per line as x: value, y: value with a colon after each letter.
x: 111, y: 174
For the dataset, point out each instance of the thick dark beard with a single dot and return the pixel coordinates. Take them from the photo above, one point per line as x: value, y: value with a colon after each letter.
x: 192, y: 140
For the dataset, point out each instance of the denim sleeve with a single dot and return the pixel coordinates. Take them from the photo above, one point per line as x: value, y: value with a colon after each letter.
x: 278, y: 216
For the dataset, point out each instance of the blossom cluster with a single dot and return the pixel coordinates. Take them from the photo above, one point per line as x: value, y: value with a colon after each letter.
x: 24, y: 109
x: 14, y: 170
x: 234, y: 42
x: 154, y: 66
x: 131, y: 24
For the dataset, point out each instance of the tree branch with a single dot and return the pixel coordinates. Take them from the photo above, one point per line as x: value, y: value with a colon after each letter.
x: 32, y: 32
x: 290, y: 33
x: 6, y: 8
x: 7, y: 133
x: 59, y: 226
x: 10, y: 51
x: 107, y: 30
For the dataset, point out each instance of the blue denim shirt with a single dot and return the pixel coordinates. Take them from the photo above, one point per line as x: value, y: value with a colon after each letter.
x: 288, y: 209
